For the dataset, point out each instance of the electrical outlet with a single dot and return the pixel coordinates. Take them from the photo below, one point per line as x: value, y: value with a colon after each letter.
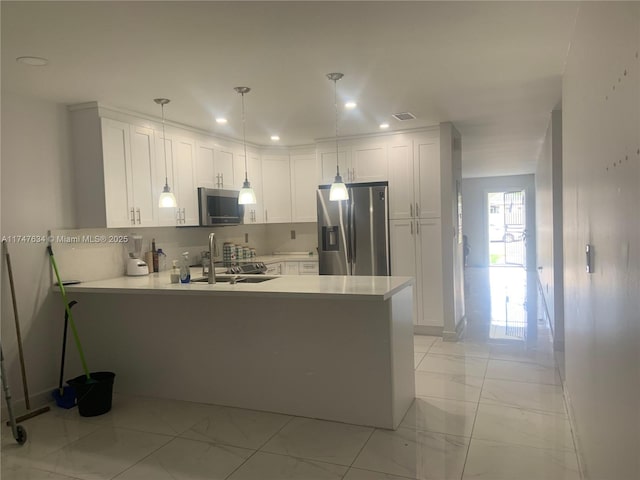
x: 246, y: 238
x: 293, y: 234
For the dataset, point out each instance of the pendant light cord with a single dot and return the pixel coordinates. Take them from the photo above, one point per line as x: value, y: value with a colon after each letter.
x: 164, y: 145
x: 244, y: 140
x: 335, y: 104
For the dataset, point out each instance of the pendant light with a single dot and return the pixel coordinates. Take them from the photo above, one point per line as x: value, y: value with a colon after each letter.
x: 338, y: 188
x: 247, y: 196
x: 167, y: 199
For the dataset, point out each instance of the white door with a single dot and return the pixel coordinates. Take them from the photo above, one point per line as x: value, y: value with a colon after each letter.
x: 401, y: 201
x: 369, y: 163
x: 184, y: 169
x: 142, y: 175
x: 402, y: 239
x: 116, y: 154
x: 276, y: 187
x: 303, y: 188
x: 430, y: 271
x: 427, y: 174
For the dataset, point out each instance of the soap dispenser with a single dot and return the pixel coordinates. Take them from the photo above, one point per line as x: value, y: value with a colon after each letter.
x: 185, y: 272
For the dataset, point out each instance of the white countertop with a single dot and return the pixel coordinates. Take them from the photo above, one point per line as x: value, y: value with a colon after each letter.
x: 291, y: 286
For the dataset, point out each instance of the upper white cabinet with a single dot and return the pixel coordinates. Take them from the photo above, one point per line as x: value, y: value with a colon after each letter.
x: 303, y: 187
x: 184, y: 162
x: 360, y: 162
x: 128, y: 156
x: 326, y: 157
x: 214, y: 165
x: 276, y: 184
x: 414, y: 176
x: 368, y: 163
x: 252, y: 213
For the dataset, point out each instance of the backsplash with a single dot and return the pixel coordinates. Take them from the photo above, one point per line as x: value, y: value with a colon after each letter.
x: 96, y: 254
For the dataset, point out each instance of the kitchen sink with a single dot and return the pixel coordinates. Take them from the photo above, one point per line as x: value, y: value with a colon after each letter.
x: 234, y: 278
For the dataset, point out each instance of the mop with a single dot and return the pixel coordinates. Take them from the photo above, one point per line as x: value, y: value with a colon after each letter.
x: 27, y: 401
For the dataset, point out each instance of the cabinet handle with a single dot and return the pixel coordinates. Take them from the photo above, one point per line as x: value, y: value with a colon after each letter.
x: 133, y: 216
x: 411, y: 227
x: 138, y: 211
x: 411, y: 209
x: 418, y: 227
x: 417, y: 210
x: 221, y: 180
x: 184, y: 215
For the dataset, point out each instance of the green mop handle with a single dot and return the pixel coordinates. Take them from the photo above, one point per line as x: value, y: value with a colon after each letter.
x: 68, y: 310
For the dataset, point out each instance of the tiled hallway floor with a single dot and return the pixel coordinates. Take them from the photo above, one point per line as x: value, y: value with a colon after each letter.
x: 484, y: 410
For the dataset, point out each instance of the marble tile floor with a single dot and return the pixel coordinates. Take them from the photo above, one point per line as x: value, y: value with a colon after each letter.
x: 483, y: 411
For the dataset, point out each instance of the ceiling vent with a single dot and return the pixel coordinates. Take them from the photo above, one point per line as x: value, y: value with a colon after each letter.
x: 404, y: 116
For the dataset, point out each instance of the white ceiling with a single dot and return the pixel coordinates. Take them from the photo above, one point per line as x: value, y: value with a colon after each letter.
x: 492, y: 68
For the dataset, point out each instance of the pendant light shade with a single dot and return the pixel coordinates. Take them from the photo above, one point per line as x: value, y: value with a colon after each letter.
x: 338, y: 188
x: 167, y: 199
x: 247, y: 196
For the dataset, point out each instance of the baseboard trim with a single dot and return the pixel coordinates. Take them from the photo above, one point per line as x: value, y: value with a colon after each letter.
x: 427, y: 330
x: 455, y: 336
x: 574, y: 434
x: 37, y: 400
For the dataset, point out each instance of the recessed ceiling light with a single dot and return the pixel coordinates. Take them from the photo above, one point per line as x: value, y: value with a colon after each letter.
x: 221, y: 120
x: 33, y: 61
x: 275, y: 138
x: 384, y: 125
x: 350, y: 105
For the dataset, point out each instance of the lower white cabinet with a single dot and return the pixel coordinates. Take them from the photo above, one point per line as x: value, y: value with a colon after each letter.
x: 291, y: 268
x: 416, y: 251
x: 308, y: 268
x: 274, y: 268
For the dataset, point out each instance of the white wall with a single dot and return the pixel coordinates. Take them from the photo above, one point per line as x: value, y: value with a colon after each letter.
x: 452, y: 257
x: 549, y: 227
x: 37, y: 183
x: 601, y: 179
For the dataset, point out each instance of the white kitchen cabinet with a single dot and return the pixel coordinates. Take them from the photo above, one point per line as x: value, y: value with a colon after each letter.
x: 414, y: 176
x: 309, y: 268
x: 181, y: 165
x: 128, y: 154
x: 274, y: 268
x: 214, y: 166
x: 184, y: 160
x: 429, y: 261
x: 276, y: 188
x: 252, y: 213
x: 426, y: 152
x: 326, y: 160
x: 368, y: 163
x: 116, y: 156
x: 416, y: 251
x: 303, y: 187
x: 292, y: 268
x: 359, y: 162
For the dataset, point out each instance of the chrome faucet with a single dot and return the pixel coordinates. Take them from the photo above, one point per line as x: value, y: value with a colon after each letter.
x: 212, y: 268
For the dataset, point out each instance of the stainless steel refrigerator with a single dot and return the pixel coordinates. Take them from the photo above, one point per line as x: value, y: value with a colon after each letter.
x: 353, y: 235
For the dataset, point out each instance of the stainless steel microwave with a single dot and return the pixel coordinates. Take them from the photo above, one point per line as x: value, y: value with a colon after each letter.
x: 219, y: 207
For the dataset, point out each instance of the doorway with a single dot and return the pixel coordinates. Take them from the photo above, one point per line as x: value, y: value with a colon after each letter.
x: 507, y: 228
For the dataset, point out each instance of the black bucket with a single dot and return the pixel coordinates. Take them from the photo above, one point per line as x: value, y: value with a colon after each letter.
x: 94, y: 396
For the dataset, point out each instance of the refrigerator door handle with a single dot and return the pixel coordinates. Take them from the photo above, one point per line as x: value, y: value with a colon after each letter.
x: 352, y: 232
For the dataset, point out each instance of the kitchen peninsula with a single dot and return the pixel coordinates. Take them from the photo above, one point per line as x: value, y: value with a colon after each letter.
x: 330, y: 347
